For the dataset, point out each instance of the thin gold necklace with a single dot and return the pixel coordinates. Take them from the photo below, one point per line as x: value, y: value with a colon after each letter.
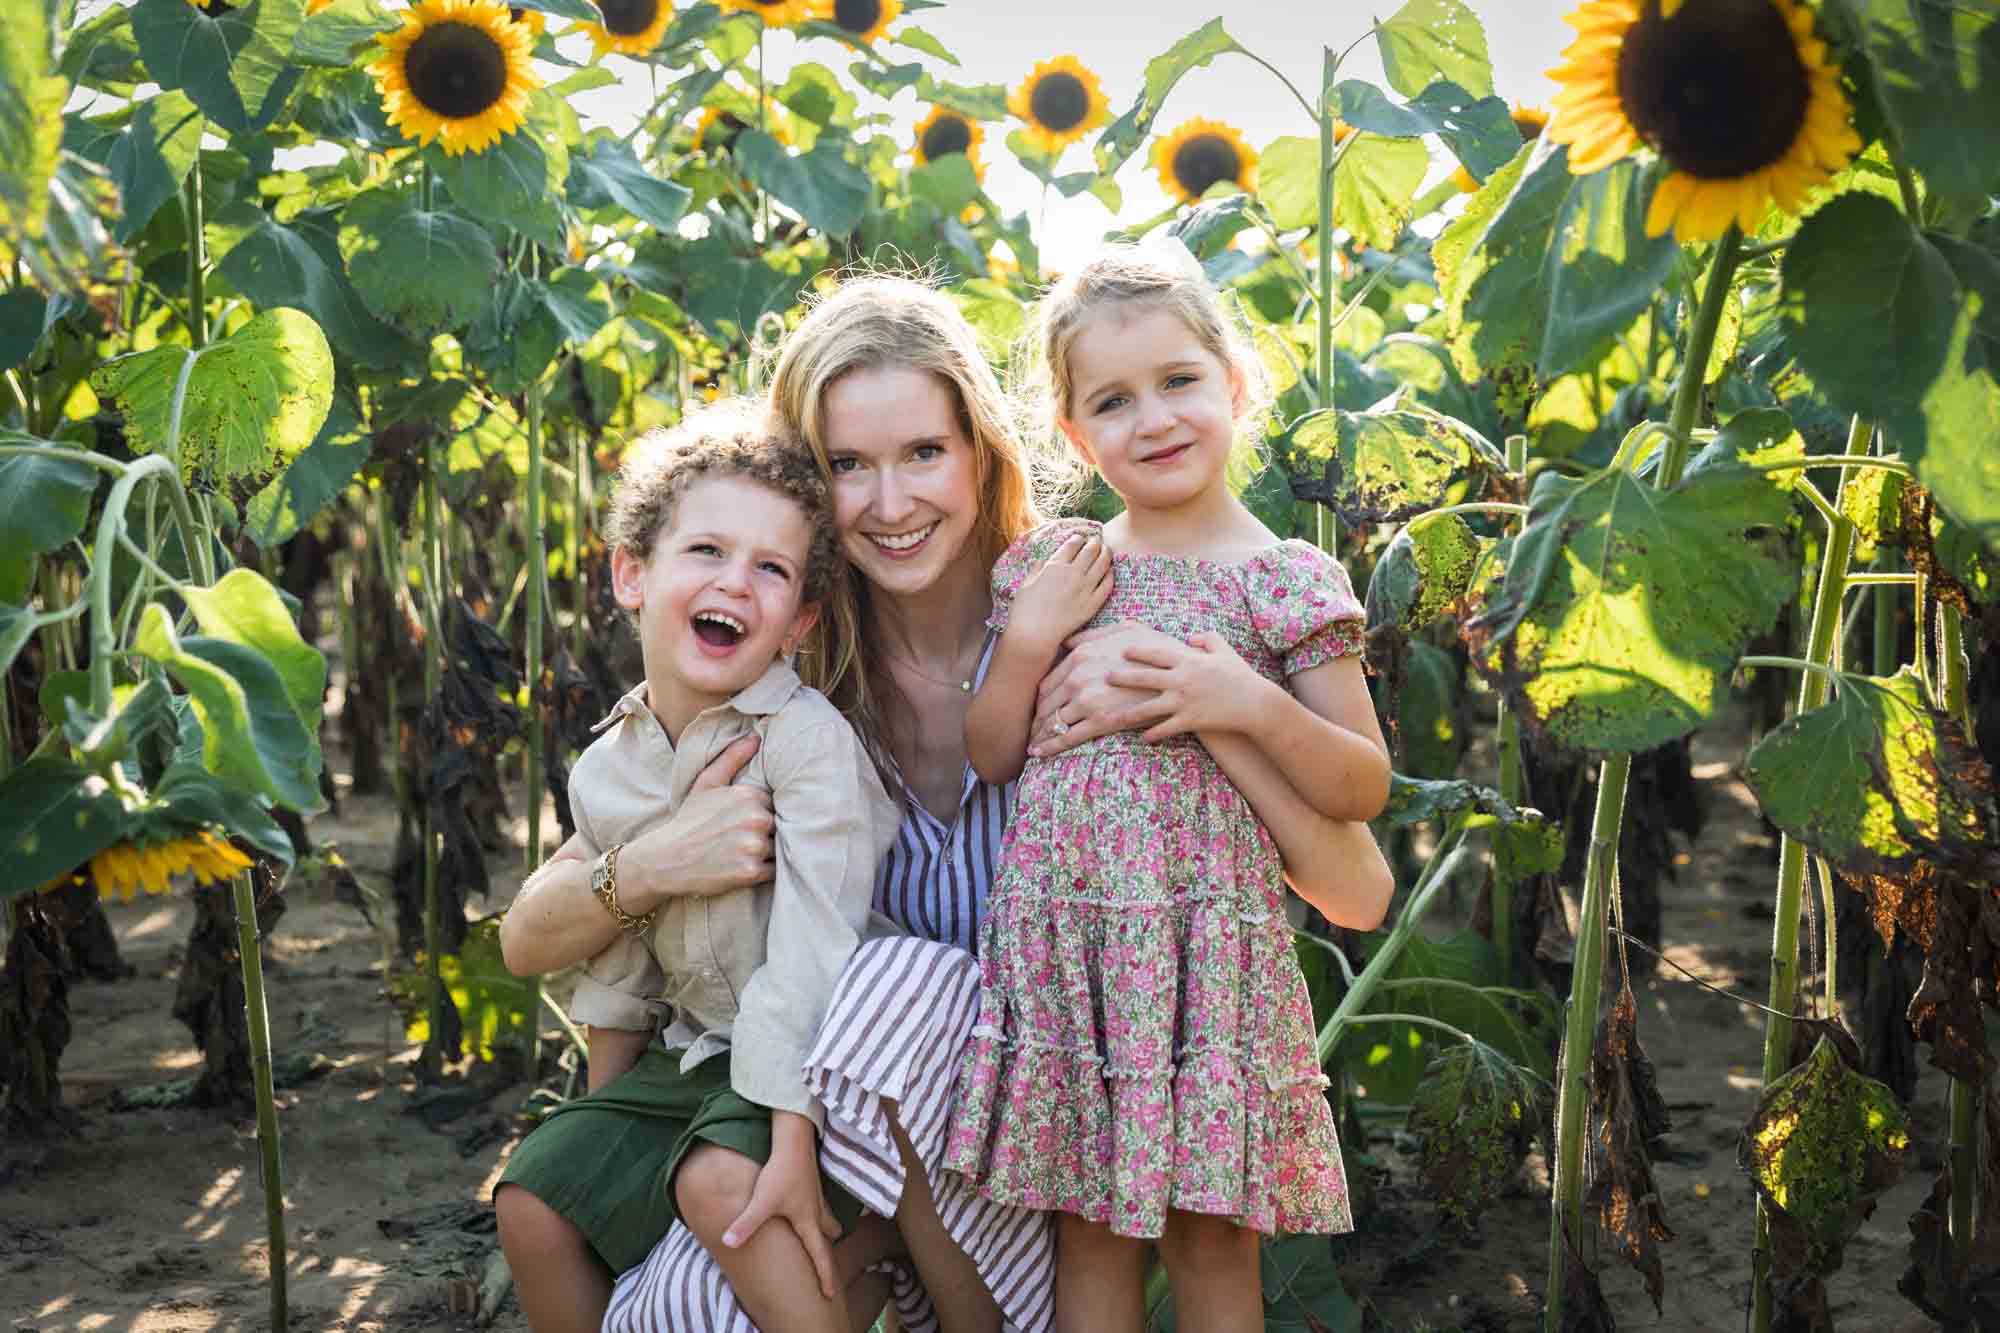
x: 964, y: 685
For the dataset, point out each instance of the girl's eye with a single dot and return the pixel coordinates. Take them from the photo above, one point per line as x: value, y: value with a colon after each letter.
x: 926, y: 452
x: 773, y: 567
x: 705, y: 548
x: 1114, y: 401
x: 1177, y: 381
x: 843, y: 465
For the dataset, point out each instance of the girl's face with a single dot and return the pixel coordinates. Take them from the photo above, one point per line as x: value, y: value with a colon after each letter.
x: 721, y: 597
x: 1151, y: 408
x: 905, y: 481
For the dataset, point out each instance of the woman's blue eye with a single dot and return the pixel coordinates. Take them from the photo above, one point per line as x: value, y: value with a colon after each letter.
x: 1115, y: 400
x: 926, y: 452
x: 777, y: 569
x: 840, y: 465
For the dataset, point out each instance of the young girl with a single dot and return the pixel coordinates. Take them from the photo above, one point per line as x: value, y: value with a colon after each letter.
x: 1144, y: 1061
x: 724, y: 550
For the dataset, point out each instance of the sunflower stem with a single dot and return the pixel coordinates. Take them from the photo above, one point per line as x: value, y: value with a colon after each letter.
x: 1783, y: 997
x: 1966, y: 1095
x: 1327, y: 162
x: 1508, y: 747
x: 258, y: 1013
x: 538, y: 562
x: 197, y: 299
x: 1601, y: 869
x: 433, y: 1052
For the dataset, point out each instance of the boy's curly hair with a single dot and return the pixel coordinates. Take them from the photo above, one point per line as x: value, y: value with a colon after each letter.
x: 734, y: 437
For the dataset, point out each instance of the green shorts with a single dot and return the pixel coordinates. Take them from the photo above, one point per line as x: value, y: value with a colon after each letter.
x: 606, y: 1161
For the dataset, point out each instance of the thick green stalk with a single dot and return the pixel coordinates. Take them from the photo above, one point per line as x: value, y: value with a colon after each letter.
x: 1508, y: 746
x: 1325, y: 233
x: 1965, y: 1096
x: 579, y: 585
x: 538, y: 563
x: 191, y: 211
x: 433, y: 1054
x: 267, y: 1107
x: 1600, y: 872
x: 1813, y: 686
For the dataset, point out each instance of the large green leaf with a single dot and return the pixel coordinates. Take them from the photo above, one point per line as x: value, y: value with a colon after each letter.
x: 251, y: 736
x: 31, y: 104
x: 148, y: 156
x: 1302, y: 1289
x: 424, y: 271
x: 1623, y: 609
x: 275, y: 514
x: 1382, y: 466
x: 822, y: 187
x: 1123, y: 137
x: 24, y: 314
x: 198, y: 796
x: 728, y: 294
x: 54, y: 816
x: 609, y: 173
x: 1425, y: 568
x: 101, y: 53
x: 1287, y: 181
x: 1876, y: 781
x: 1460, y: 259
x: 1374, y: 186
x: 274, y: 264
x: 43, y: 503
x: 1480, y: 131
x: 330, y: 36
x: 1429, y: 737
x: 244, y: 407
x: 1427, y: 40
x: 237, y: 67
x: 516, y: 183
x: 1601, y: 271
x: 1935, y: 70
x: 244, y: 608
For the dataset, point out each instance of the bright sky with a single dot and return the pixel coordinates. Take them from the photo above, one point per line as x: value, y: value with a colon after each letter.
x: 999, y: 41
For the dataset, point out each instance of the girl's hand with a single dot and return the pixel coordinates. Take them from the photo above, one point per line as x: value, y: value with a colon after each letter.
x: 1078, y: 693
x: 1063, y: 593
x: 788, y: 1190
x: 1202, y: 685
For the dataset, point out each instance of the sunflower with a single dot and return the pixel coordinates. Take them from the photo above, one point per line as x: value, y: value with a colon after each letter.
x: 718, y: 126
x: 864, y: 20
x: 944, y: 132
x: 1199, y: 154
x: 1529, y: 120
x: 1061, y: 101
x: 314, y: 6
x: 776, y: 13
x: 1736, y: 96
x: 1464, y: 181
x: 124, y: 868
x: 457, y: 71
x: 533, y: 20
x: 630, y: 27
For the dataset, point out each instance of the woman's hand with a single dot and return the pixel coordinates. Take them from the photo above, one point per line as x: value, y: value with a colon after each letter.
x: 1063, y: 593
x: 788, y: 1189
x: 1202, y: 685
x: 719, y: 839
x: 1078, y: 692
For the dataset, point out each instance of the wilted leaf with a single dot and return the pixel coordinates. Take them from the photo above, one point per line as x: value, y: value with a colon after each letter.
x: 1124, y: 135
x: 1823, y: 1142
x: 1475, y: 1116
x: 1958, y: 1296
x: 1381, y: 466
x: 1627, y: 1114
x: 1426, y: 568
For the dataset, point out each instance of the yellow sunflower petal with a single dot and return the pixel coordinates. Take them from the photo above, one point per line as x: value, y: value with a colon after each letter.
x: 1201, y: 153
x: 456, y: 73
x: 1668, y: 198
x: 776, y: 13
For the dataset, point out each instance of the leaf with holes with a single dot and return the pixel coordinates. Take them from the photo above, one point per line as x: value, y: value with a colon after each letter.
x: 1426, y: 567
x: 1381, y: 466
x: 1428, y: 40
x: 1474, y: 1115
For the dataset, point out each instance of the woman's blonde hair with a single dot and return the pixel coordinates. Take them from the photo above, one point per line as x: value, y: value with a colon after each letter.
x: 874, y: 320
x: 1162, y: 275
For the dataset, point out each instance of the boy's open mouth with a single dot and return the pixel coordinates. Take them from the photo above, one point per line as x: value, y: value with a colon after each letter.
x: 718, y: 629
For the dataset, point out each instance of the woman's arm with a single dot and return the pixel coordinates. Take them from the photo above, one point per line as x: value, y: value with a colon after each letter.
x: 612, y: 1052
x: 719, y: 839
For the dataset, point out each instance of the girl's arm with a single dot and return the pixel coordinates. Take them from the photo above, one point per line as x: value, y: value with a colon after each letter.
x: 612, y: 1052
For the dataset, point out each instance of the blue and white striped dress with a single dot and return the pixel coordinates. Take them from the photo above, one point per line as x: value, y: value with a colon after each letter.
x: 895, y: 1030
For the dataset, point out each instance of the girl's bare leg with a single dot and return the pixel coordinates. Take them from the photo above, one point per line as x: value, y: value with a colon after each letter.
x: 1101, y: 1280
x: 963, y: 1303
x: 771, y: 1273
x: 561, y: 1285
x: 867, y: 1295
x: 1212, y: 1270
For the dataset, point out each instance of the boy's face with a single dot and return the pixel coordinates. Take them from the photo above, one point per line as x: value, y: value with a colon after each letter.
x: 721, y: 596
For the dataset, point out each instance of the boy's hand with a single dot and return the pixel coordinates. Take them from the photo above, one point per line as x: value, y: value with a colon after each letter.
x: 788, y: 1188
x: 1063, y: 593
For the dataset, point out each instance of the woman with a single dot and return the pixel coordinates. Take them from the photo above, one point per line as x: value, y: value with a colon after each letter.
x: 885, y: 380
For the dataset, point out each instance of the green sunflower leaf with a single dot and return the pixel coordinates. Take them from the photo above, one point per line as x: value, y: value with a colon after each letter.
x: 245, y: 408
x: 1876, y: 781
x: 609, y: 173
x: 103, y: 54
x: 947, y: 184
x: 821, y: 186
x: 516, y: 183
x: 1124, y: 135
x: 237, y: 68
x: 728, y: 294
x: 1287, y: 181
x: 985, y: 101
x: 315, y: 478
x: 243, y: 608
x: 1936, y: 74
x: 54, y: 816
x: 424, y: 272
x: 1374, y: 187
x: 17, y: 625
x: 24, y: 318
x: 1381, y: 466
x: 274, y: 264
x: 31, y: 124
x: 1479, y: 130
x: 43, y: 502
x: 1602, y: 271
x: 1429, y: 737
x: 330, y: 36
x: 1460, y: 259
x: 1428, y: 40
x: 147, y: 158
x: 1302, y: 1288
x: 583, y: 12
x: 1603, y: 630
x: 1425, y: 568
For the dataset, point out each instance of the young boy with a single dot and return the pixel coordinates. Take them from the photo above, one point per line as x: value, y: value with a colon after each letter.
x: 724, y: 552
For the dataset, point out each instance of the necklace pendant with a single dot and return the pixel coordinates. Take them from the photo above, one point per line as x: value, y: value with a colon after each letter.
x: 965, y: 687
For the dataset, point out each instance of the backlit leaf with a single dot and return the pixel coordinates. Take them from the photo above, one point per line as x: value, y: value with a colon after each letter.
x: 237, y: 67
x: 1427, y: 40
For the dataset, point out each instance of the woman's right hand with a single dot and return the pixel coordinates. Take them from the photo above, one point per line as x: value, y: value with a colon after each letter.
x: 719, y: 839
x: 1078, y: 691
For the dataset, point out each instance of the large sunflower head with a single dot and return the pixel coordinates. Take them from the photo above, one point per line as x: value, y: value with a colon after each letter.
x: 123, y: 869
x: 864, y: 20
x: 944, y: 132
x: 1201, y: 153
x: 1736, y: 96
x: 1529, y: 120
x: 776, y: 13
x: 457, y: 71
x: 1061, y: 102
x: 629, y: 27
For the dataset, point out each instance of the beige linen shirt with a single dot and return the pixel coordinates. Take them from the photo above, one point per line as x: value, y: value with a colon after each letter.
x: 751, y: 970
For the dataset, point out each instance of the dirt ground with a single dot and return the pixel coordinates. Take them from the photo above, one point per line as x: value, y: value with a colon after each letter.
x: 152, y: 1220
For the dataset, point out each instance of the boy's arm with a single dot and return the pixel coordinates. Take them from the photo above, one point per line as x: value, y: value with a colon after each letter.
x: 612, y: 1052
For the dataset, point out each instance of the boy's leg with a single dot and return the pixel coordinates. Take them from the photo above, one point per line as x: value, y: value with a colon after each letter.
x: 1212, y: 1270
x: 771, y: 1273
x: 1101, y: 1280
x: 867, y: 1300
x: 561, y: 1285
x: 958, y: 1293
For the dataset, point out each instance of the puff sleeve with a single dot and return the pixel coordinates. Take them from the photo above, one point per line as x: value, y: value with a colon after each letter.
x: 1024, y: 557
x: 1303, y: 606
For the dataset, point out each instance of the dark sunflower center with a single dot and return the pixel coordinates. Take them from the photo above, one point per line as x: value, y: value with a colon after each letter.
x: 628, y: 18
x: 1204, y: 160
x: 1529, y: 127
x: 1059, y: 101
x: 456, y: 70
x: 1719, y: 89
x: 949, y: 135
x: 215, y: 9
x: 857, y: 15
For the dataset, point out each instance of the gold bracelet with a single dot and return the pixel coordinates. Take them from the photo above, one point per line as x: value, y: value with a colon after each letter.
x: 604, y: 883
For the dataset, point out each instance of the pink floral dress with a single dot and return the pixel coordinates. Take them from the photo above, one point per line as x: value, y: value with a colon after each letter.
x: 1145, y: 1041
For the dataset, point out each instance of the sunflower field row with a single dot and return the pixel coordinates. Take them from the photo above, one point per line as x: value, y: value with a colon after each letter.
x: 323, y: 321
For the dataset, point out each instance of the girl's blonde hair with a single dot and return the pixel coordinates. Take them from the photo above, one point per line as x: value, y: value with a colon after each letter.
x: 1165, y: 276
x: 875, y: 320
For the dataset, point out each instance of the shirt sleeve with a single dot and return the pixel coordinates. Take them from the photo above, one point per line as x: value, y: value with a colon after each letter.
x: 1023, y: 558
x: 1304, y: 608
x: 620, y: 987
x: 834, y: 821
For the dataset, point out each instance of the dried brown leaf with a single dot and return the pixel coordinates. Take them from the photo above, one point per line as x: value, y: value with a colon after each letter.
x: 1627, y: 1115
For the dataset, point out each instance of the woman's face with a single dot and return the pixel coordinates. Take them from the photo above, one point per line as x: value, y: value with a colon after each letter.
x: 905, y: 482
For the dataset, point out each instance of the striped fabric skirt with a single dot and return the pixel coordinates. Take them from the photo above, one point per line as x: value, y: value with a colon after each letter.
x: 896, y: 1031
